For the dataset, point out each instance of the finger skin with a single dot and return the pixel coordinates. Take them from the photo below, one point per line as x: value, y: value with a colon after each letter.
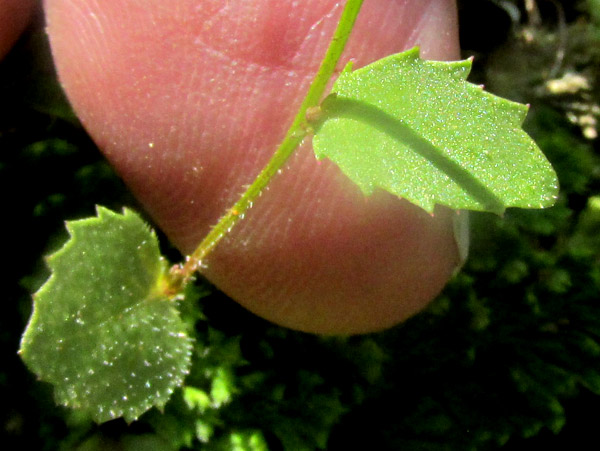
x: 14, y: 17
x: 188, y: 100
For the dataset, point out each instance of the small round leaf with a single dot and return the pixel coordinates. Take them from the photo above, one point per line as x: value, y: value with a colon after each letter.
x: 102, y: 329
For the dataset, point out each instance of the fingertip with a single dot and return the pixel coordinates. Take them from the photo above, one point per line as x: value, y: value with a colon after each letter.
x: 188, y: 117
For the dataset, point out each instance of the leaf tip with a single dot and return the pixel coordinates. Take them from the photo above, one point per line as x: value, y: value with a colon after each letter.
x: 349, y: 67
x: 103, y: 212
x: 499, y: 211
x: 412, y: 53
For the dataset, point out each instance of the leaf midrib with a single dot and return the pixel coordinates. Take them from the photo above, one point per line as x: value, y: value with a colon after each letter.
x: 336, y: 106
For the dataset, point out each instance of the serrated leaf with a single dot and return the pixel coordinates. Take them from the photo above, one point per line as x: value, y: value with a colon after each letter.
x: 102, y: 331
x: 418, y: 130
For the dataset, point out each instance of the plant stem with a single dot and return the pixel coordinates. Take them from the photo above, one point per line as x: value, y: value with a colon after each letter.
x: 292, y: 140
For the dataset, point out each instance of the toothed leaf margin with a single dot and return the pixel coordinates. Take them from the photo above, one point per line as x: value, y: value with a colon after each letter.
x: 102, y: 330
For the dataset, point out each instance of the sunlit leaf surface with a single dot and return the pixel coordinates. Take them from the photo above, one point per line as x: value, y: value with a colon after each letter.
x: 418, y: 130
x: 102, y: 330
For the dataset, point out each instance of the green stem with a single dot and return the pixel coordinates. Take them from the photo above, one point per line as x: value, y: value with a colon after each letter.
x: 292, y: 140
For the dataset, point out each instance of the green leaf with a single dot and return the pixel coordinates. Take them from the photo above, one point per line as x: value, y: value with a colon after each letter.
x: 102, y: 330
x: 418, y: 130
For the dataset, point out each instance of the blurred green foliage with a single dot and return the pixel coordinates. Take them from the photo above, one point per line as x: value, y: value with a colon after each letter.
x: 508, y: 355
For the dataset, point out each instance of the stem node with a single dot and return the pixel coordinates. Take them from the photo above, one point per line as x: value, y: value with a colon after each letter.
x: 294, y: 137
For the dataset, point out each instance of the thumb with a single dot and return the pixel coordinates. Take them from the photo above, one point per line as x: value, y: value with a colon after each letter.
x: 188, y: 101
